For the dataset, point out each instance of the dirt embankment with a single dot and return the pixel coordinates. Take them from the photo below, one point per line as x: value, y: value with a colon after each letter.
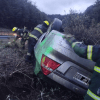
x: 17, y: 81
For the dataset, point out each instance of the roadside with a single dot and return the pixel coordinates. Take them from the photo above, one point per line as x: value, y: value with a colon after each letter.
x: 17, y: 81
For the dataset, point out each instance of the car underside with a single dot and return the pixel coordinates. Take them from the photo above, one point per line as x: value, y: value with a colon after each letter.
x: 56, y: 60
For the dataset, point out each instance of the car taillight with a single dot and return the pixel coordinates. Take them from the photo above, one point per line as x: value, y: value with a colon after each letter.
x: 48, y: 65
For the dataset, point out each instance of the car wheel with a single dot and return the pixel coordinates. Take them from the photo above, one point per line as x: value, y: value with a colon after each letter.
x: 55, y: 25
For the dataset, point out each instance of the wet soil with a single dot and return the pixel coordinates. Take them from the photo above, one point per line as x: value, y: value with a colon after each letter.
x: 17, y: 81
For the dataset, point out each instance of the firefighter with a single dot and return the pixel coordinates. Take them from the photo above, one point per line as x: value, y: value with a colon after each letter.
x: 91, y: 52
x: 33, y: 38
x: 21, y: 33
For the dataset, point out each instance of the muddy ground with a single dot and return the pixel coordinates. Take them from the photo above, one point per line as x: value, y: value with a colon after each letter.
x: 17, y: 81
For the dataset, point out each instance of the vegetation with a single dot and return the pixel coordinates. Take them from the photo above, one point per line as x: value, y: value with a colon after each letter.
x: 17, y: 81
x: 16, y: 77
x: 85, y: 26
x: 20, y: 13
x: 51, y: 17
x: 94, y: 11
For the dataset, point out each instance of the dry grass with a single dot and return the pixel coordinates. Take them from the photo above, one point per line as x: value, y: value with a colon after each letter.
x: 17, y: 81
x: 84, y: 29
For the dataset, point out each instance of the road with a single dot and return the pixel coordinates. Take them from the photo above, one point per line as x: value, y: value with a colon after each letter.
x: 6, y: 37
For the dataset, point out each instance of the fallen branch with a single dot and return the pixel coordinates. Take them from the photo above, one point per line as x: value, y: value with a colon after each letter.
x: 16, y: 71
x: 19, y: 63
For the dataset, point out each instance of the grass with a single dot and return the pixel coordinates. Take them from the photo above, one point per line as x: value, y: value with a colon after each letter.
x: 18, y: 82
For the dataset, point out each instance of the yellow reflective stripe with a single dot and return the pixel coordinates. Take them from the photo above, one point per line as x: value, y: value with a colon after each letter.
x: 38, y: 30
x: 89, y: 52
x: 31, y: 35
x: 92, y: 95
x: 74, y: 43
x: 97, y: 69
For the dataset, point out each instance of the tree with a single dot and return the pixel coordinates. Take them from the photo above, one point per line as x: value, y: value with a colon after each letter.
x: 20, y: 13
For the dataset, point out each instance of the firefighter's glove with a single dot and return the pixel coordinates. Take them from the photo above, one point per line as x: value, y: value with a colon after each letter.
x: 68, y: 36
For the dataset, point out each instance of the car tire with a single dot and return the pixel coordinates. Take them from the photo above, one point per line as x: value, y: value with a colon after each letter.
x: 56, y: 24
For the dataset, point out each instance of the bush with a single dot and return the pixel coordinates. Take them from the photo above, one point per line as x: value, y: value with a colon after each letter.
x: 83, y: 28
x: 20, y: 13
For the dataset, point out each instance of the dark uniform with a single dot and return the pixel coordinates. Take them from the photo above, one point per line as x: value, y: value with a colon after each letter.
x: 33, y: 38
x: 93, y: 53
x: 24, y: 35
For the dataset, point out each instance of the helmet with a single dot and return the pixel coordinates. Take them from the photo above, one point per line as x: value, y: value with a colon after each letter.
x: 46, y: 22
x: 14, y: 29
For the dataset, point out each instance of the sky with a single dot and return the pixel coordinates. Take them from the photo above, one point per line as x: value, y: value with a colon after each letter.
x: 62, y: 6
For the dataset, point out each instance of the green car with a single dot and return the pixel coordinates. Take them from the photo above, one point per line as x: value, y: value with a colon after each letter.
x: 56, y: 60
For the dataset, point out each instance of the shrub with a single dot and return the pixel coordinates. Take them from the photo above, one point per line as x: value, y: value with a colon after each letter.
x: 83, y: 28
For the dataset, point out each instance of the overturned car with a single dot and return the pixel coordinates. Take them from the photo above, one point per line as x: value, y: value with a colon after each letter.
x: 56, y: 60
